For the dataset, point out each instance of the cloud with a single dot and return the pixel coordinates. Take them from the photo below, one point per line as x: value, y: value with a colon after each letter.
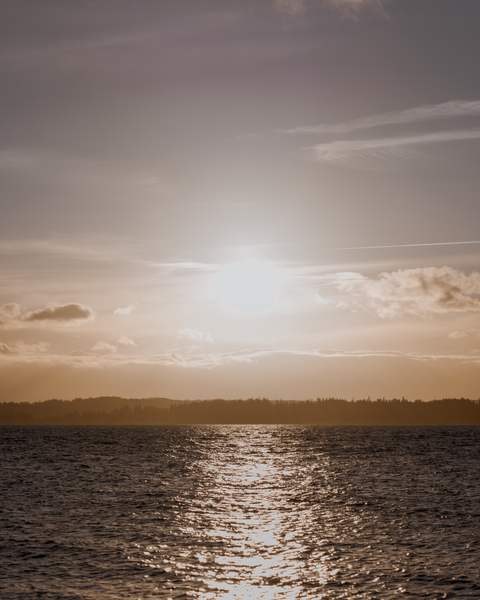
x: 319, y: 300
x: 190, y: 266
x: 354, y: 6
x: 80, y: 353
x: 194, y: 334
x: 104, y: 347
x: 203, y: 360
x: 5, y: 349
x: 462, y: 334
x: 22, y: 349
x: 213, y: 360
x: 125, y: 341
x: 105, y: 357
x: 65, y: 313
x: 348, y: 7
x: 355, y: 153
x: 422, y: 291
x: 128, y: 310
x: 292, y: 7
x: 9, y: 313
x: 446, y: 110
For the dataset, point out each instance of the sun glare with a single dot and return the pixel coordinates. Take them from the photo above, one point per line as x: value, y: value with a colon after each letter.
x: 248, y: 285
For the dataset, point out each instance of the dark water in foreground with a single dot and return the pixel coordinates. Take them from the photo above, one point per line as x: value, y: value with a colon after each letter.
x: 239, y: 512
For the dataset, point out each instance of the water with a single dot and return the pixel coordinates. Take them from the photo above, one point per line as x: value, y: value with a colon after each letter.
x: 259, y: 512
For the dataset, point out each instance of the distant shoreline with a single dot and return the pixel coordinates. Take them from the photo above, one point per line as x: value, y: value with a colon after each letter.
x: 253, y: 411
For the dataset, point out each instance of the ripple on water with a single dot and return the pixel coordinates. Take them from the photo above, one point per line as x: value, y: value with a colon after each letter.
x: 256, y: 512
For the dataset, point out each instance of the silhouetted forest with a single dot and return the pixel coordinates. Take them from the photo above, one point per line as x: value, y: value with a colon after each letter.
x: 162, y: 411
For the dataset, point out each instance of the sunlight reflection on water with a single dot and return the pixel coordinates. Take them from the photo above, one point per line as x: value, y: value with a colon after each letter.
x: 227, y: 512
x: 254, y: 525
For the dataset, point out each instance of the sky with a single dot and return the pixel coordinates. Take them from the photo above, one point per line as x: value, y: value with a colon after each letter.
x: 239, y: 198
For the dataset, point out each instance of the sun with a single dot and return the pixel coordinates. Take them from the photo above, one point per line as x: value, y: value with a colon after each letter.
x: 248, y: 285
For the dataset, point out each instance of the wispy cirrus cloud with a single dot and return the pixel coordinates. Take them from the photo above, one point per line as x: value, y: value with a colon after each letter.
x: 355, y: 153
x: 351, y: 7
x: 347, y: 7
x: 427, y: 112
x: 212, y: 360
x: 106, y: 357
x: 457, y: 335
x: 423, y: 291
x: 394, y: 148
x: 291, y: 7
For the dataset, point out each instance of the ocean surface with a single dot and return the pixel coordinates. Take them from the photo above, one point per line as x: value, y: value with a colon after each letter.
x: 260, y: 512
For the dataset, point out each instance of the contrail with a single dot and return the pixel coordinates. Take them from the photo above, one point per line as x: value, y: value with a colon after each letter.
x: 408, y: 245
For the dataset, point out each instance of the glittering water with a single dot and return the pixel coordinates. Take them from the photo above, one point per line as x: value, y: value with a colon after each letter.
x: 259, y: 512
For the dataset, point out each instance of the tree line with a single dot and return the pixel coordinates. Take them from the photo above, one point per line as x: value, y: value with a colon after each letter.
x: 162, y: 411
